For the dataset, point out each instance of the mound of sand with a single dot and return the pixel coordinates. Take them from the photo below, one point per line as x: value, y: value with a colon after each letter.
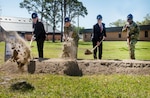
x: 79, y: 67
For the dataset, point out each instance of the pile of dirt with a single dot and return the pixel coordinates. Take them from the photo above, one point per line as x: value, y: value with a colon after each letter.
x: 79, y: 67
x: 115, y: 67
x: 52, y: 66
x: 10, y: 68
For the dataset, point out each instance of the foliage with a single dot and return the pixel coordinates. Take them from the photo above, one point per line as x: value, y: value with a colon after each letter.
x: 75, y: 9
x: 118, y: 23
x: 34, y: 6
x: 146, y: 20
x: 79, y: 29
x: 53, y: 14
x: 50, y: 8
x: 54, y: 10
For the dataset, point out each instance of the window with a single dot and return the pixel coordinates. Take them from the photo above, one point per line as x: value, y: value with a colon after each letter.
x: 119, y: 35
x: 146, y: 33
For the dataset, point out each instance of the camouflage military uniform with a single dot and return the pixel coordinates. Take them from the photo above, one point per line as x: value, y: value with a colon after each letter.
x: 70, y: 32
x: 132, y: 37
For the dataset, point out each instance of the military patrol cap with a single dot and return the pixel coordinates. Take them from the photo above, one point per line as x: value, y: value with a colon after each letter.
x: 130, y: 16
x: 34, y: 15
x: 99, y: 17
x: 67, y: 19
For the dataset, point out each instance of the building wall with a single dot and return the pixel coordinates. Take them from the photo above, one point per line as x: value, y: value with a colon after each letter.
x: 50, y: 36
x: 87, y: 36
x: 28, y: 36
x: 110, y: 36
x: 114, y: 36
x: 143, y: 37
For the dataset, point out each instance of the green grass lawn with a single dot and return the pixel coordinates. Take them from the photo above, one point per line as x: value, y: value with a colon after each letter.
x: 101, y: 86
x: 111, y: 50
x: 95, y: 86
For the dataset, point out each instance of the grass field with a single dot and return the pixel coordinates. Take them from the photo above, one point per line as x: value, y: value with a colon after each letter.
x: 95, y: 86
x: 111, y: 50
x: 101, y: 86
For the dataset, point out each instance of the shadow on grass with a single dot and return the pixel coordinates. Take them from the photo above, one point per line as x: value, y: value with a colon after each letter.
x: 142, y: 48
x: 126, y: 49
x: 115, y: 59
x: 50, y: 42
x: 85, y: 44
x: 123, y: 49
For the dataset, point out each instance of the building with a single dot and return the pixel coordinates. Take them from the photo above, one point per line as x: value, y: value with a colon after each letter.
x: 116, y: 34
x: 24, y: 27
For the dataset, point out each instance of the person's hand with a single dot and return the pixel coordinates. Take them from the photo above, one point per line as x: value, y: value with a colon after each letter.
x: 98, y: 43
x: 104, y: 37
x: 128, y: 41
x: 33, y: 37
x: 127, y: 26
x: 65, y: 38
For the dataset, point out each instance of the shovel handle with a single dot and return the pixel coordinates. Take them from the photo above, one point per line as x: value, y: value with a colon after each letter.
x: 31, y: 42
x: 94, y: 47
x: 97, y: 45
x: 32, y: 38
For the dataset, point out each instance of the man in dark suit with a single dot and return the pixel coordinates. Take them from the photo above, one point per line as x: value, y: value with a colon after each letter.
x: 39, y: 33
x: 99, y: 33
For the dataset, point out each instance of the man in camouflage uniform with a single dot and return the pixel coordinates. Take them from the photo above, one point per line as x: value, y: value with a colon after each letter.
x: 71, y: 34
x: 132, y: 30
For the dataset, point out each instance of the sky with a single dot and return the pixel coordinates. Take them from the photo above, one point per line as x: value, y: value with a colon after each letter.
x: 111, y: 10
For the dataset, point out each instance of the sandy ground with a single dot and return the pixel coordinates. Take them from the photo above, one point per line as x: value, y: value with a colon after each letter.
x: 81, y: 67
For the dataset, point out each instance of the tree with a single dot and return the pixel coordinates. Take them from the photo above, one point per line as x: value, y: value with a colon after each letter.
x: 80, y: 29
x: 62, y: 17
x: 146, y: 20
x: 37, y: 6
x: 118, y: 23
x: 48, y: 10
x: 74, y: 8
x: 53, y: 13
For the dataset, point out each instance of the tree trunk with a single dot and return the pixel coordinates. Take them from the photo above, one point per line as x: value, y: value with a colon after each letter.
x: 65, y: 3
x: 53, y: 34
x: 62, y: 21
x: 42, y: 11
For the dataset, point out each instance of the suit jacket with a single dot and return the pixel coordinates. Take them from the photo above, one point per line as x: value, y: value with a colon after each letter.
x: 39, y: 31
x: 97, y: 33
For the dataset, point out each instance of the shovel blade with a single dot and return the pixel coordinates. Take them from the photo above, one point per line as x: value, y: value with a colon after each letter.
x: 87, y: 52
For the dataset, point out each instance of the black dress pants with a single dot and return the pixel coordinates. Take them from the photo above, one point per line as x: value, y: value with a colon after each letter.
x: 99, y: 50
x: 40, y: 45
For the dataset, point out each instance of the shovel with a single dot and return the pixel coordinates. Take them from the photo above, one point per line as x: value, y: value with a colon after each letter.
x: 88, y: 52
x: 32, y: 41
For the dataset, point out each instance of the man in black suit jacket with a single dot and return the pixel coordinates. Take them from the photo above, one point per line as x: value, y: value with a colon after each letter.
x: 39, y: 33
x: 99, y: 33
